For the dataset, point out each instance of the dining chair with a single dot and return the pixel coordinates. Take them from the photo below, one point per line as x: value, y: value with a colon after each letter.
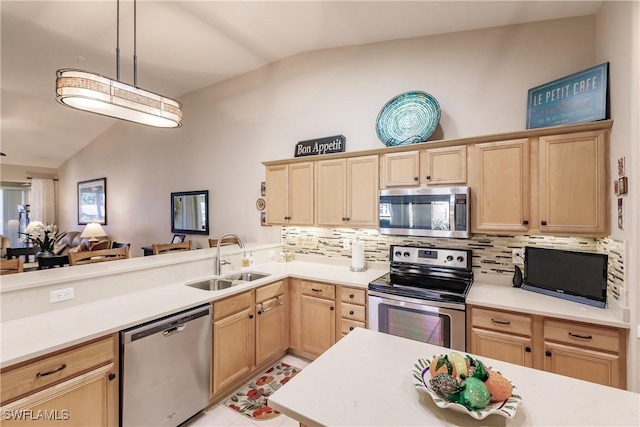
x: 11, y: 266
x: 171, y: 247
x: 115, y: 245
x: 102, y: 255
x: 226, y: 241
x: 22, y: 252
x: 46, y: 262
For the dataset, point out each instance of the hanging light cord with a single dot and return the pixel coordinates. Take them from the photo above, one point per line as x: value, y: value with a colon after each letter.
x: 118, y: 41
x: 135, y: 56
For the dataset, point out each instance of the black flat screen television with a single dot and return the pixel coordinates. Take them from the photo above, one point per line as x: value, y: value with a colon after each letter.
x: 575, y: 276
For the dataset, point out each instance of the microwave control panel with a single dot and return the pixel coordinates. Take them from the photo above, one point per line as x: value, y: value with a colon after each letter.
x: 431, y: 256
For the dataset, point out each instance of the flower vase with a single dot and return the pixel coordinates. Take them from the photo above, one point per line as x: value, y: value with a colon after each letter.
x: 45, y: 254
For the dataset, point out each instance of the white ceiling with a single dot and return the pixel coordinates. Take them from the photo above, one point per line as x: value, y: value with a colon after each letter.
x: 183, y: 46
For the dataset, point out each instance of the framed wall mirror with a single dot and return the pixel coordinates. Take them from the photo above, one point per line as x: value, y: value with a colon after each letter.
x: 190, y: 212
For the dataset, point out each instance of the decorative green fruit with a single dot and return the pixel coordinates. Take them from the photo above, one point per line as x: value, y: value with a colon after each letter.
x: 475, y: 394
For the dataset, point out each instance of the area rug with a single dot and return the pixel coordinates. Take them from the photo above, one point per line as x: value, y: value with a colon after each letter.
x: 251, y: 400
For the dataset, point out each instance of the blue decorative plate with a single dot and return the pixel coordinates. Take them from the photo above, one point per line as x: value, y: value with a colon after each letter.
x: 408, y: 118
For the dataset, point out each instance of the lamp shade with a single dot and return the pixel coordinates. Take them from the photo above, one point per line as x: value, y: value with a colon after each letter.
x: 93, y: 230
x: 92, y: 92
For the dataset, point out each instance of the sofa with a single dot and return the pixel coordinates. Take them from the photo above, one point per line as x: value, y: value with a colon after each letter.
x: 73, y: 242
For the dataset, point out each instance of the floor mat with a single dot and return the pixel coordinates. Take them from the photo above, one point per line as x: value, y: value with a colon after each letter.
x: 251, y: 400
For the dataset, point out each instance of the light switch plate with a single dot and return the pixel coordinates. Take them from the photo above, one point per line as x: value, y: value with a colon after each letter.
x: 61, y: 295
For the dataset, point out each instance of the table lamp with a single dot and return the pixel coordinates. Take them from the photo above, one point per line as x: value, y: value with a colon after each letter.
x: 93, y: 230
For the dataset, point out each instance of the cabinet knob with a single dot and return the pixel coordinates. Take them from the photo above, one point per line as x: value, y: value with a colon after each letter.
x: 543, y: 222
x: 332, y: 308
x: 527, y: 349
x: 428, y: 176
x: 415, y: 178
x: 547, y: 353
x: 344, y: 219
x: 351, y: 312
x: 351, y: 328
x: 259, y: 311
x: 251, y: 316
x: 352, y: 296
x: 112, y: 377
x: 347, y: 219
x: 525, y: 222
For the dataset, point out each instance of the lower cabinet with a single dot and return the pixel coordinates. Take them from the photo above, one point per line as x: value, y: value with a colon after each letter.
x: 73, y: 387
x: 272, y: 326
x: 313, y: 317
x: 579, y: 350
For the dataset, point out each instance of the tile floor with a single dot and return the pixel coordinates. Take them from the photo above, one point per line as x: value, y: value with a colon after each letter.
x: 221, y: 416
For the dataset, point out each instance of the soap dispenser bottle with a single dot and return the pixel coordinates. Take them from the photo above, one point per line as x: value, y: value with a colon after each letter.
x: 252, y: 261
x: 244, y: 264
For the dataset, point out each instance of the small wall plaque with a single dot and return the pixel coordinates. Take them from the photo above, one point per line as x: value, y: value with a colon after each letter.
x: 315, y: 147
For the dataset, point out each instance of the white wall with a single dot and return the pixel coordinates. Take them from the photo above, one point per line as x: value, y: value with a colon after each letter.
x: 480, y: 79
x: 617, y: 41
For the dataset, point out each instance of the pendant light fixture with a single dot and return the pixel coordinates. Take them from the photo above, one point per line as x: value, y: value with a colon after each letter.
x: 98, y: 94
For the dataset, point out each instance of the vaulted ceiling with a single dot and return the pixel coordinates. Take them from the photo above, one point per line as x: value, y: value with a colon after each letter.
x: 184, y: 46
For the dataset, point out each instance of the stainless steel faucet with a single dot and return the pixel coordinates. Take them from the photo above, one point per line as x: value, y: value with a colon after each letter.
x: 218, y: 263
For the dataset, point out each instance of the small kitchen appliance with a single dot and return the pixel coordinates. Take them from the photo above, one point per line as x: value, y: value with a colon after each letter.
x: 423, y: 297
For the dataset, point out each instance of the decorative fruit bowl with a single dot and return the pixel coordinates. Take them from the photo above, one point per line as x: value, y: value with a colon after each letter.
x: 464, y: 393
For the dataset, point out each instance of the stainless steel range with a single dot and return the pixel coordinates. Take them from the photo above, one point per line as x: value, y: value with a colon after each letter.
x: 423, y: 297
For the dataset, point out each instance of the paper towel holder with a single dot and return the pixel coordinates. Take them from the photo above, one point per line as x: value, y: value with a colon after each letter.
x: 358, y: 270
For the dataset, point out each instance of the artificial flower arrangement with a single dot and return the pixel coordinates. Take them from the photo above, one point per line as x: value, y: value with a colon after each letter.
x: 44, y: 236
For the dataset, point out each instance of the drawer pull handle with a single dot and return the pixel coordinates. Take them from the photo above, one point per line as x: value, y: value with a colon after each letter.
x: 584, y: 337
x: 51, y: 371
x: 500, y: 322
x: 316, y: 290
x: 352, y: 296
x: 351, y: 312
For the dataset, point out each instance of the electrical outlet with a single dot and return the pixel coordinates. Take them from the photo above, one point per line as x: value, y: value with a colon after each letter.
x: 61, y: 295
x: 517, y: 256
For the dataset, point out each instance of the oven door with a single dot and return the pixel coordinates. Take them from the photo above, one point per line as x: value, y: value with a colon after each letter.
x: 433, y: 322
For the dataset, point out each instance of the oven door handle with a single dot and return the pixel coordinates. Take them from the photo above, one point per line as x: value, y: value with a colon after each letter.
x: 414, y: 303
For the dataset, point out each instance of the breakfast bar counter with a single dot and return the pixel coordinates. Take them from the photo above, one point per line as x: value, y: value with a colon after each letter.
x: 366, y: 380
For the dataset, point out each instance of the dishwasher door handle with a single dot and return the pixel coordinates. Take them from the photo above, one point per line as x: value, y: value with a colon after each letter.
x: 173, y: 331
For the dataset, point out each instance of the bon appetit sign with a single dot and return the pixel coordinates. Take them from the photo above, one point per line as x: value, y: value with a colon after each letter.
x: 326, y: 145
x: 579, y: 97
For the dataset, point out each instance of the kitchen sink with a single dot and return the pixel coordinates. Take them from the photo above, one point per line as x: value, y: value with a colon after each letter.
x: 225, y: 282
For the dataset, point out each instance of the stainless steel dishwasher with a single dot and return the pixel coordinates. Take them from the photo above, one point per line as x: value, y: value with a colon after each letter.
x: 165, y: 369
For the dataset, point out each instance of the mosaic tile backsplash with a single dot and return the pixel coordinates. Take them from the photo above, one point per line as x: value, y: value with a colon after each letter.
x: 491, y: 253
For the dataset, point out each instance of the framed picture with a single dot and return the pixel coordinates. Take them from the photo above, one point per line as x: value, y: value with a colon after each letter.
x: 621, y: 166
x: 92, y: 201
x: 622, y: 185
x: 178, y: 238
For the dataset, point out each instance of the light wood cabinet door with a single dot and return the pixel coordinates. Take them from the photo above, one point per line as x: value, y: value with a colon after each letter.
x: 290, y: 194
x: 331, y: 186
x: 500, y: 196
x: 271, y: 329
x: 318, y: 324
x: 584, y: 364
x: 400, y: 169
x: 573, y: 183
x: 233, y: 348
x: 446, y: 165
x: 496, y: 345
x: 362, y: 191
x: 89, y: 399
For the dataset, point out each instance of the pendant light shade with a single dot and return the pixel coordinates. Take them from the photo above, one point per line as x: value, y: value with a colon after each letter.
x: 98, y: 94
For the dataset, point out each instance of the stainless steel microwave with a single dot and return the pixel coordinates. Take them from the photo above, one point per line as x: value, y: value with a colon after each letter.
x: 430, y: 212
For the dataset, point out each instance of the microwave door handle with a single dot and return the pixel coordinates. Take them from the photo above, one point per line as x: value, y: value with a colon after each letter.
x: 452, y: 212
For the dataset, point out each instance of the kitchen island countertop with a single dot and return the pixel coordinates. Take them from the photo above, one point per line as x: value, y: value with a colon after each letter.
x: 366, y: 380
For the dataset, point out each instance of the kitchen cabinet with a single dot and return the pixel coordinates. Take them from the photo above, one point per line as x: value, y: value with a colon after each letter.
x: 432, y: 166
x: 500, y: 186
x: 313, y: 317
x: 233, y: 340
x: 272, y: 325
x: 290, y: 194
x: 579, y: 350
x: 353, y: 310
x: 573, y: 183
x: 347, y: 192
x: 75, y: 386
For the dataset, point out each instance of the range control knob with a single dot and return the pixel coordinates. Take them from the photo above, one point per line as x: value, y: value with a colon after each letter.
x: 460, y: 259
x: 449, y: 258
x: 407, y: 254
x: 397, y: 253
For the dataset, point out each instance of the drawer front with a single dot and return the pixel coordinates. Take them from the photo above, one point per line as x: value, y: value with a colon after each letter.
x: 347, y: 325
x: 320, y: 290
x: 270, y: 291
x: 582, y: 335
x: 501, y: 321
x: 52, y: 369
x: 231, y: 305
x: 353, y: 312
x: 353, y: 296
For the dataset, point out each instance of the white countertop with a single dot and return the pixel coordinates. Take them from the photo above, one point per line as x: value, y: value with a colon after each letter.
x: 365, y: 380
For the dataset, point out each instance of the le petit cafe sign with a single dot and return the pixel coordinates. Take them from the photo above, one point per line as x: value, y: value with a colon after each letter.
x: 579, y: 97
x: 326, y: 145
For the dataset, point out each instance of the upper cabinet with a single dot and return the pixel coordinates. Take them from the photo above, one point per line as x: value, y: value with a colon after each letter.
x: 573, y: 183
x: 290, y: 194
x: 347, y: 192
x: 431, y: 166
x: 500, y: 190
